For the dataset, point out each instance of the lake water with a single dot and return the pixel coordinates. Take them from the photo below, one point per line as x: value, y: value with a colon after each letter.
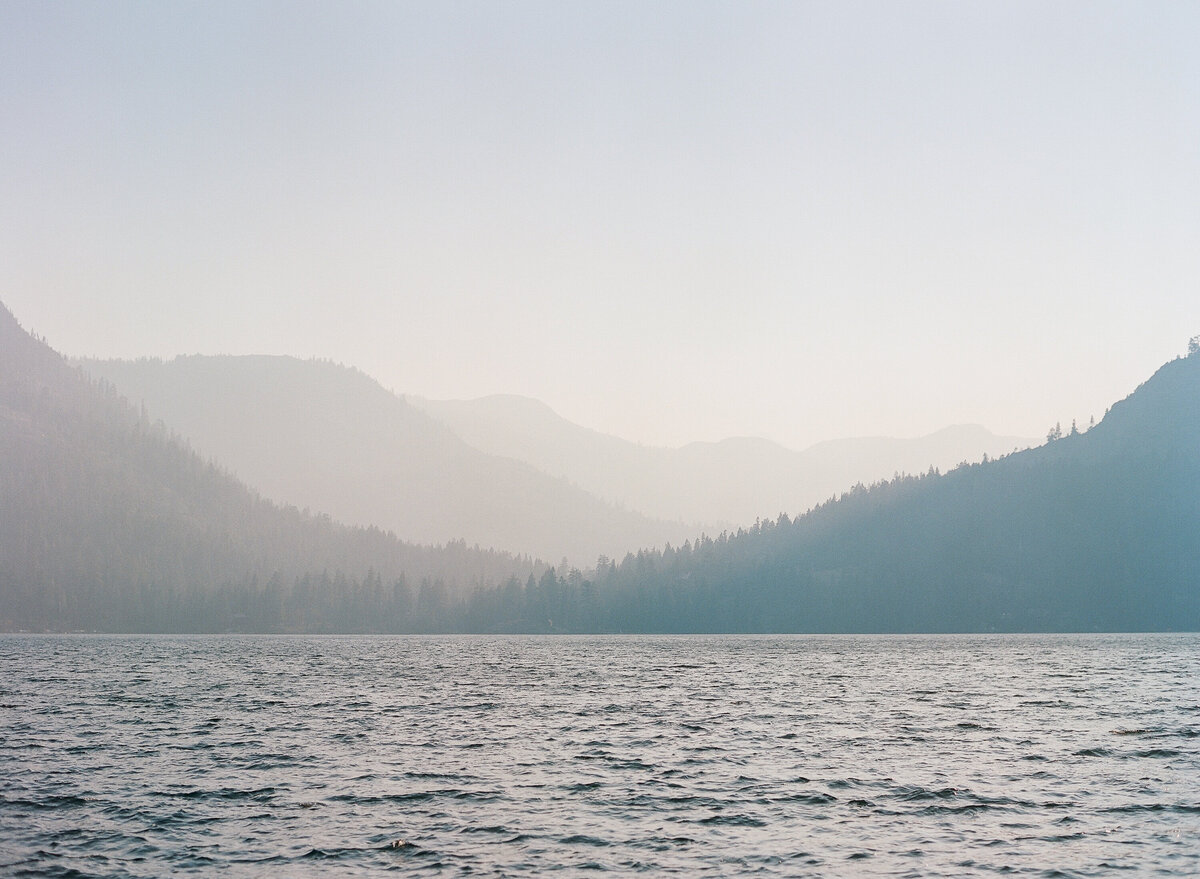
x: 525, y: 756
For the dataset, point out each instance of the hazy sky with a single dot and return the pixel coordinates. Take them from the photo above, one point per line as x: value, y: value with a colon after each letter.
x: 670, y: 221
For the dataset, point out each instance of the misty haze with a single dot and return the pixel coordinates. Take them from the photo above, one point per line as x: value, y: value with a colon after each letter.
x: 516, y: 439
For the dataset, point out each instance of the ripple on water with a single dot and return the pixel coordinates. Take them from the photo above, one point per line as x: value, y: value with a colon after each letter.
x: 697, y: 756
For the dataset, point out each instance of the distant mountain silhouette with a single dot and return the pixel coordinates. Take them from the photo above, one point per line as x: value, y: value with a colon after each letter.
x: 107, y: 523
x: 727, y: 483
x: 1093, y: 531
x: 327, y: 437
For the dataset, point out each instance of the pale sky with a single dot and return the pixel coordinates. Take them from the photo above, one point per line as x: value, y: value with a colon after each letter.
x: 669, y: 221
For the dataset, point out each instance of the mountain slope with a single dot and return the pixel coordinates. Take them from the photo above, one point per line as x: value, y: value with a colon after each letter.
x: 1094, y: 531
x: 107, y: 523
x: 733, y: 481
x: 327, y: 437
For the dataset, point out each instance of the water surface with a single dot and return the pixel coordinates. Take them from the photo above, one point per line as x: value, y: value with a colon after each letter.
x: 684, y: 756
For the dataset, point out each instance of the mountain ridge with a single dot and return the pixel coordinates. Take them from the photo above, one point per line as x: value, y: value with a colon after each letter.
x: 726, y: 483
x: 109, y: 523
x: 331, y: 438
x: 1095, y: 531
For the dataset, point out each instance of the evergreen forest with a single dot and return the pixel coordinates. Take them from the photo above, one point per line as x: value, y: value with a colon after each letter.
x: 110, y: 523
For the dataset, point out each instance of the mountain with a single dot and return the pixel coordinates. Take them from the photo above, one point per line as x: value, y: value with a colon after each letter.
x: 733, y: 481
x: 1098, y: 531
x: 327, y: 437
x: 108, y: 523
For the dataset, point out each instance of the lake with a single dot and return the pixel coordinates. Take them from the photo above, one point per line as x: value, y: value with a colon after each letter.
x: 922, y: 756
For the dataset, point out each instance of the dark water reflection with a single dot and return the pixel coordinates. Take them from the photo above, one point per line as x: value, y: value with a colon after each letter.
x: 724, y: 756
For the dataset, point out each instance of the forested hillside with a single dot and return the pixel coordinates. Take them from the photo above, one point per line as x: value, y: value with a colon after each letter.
x: 1092, y: 531
x: 108, y: 523
x: 319, y: 435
